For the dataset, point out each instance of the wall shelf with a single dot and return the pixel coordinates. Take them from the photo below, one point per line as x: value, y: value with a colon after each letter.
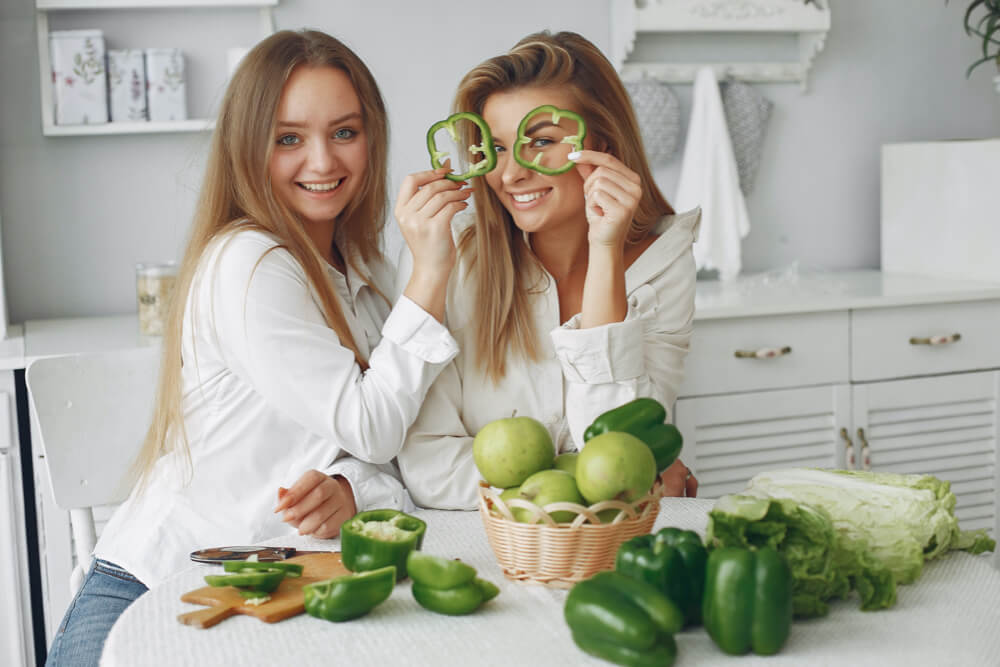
x: 44, y: 7
x: 808, y: 19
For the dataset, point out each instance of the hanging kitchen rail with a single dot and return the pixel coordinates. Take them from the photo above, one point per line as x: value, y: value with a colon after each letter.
x: 809, y: 19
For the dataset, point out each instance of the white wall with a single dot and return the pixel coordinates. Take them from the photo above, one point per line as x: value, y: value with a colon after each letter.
x: 78, y: 212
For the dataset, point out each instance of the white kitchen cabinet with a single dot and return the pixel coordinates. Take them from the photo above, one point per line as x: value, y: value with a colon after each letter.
x: 95, y: 9
x: 945, y: 426
x: 860, y: 370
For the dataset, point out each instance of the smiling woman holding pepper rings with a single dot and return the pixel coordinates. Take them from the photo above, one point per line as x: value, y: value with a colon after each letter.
x: 574, y: 289
x: 282, y: 352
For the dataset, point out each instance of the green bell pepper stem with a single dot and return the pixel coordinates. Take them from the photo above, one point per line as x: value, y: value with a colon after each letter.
x: 487, y: 148
x: 251, y: 579
x: 662, y: 654
x: 643, y: 418
x: 748, y: 600
x: 350, y: 596
x: 626, y: 612
x: 376, y: 538
x: 576, y: 140
x: 290, y: 569
x: 437, y: 572
x: 673, y: 561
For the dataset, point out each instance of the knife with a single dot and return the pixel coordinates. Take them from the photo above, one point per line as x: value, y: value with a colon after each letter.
x: 264, y: 554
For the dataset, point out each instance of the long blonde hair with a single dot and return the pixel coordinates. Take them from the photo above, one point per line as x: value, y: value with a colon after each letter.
x: 505, y: 271
x: 236, y: 191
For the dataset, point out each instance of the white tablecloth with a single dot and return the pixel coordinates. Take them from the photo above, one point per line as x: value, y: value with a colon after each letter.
x: 950, y: 616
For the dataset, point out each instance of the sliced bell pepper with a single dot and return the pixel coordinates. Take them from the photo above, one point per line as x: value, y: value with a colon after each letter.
x: 748, y: 600
x: 376, y: 538
x: 349, y: 596
x: 437, y: 572
x: 264, y: 581
x: 643, y: 418
x: 576, y: 140
x: 290, y: 569
x: 447, y: 586
x: 624, y: 620
x: 487, y: 148
x: 673, y: 561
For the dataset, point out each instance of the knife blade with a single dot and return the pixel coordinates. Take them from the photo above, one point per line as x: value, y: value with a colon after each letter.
x: 264, y: 554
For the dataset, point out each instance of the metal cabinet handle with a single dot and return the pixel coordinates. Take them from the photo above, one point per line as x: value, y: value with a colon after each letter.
x: 848, y: 450
x: 763, y: 353
x: 866, y: 456
x: 936, y: 340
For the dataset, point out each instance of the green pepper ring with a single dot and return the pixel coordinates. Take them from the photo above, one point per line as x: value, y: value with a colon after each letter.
x: 482, y: 167
x: 258, y: 580
x: 290, y: 569
x: 576, y: 140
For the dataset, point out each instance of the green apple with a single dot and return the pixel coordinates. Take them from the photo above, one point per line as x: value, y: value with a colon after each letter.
x: 549, y: 486
x: 567, y: 462
x: 507, y: 495
x: 617, y: 466
x: 508, y: 451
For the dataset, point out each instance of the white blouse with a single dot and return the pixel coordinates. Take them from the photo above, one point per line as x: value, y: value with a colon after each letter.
x: 582, y: 372
x: 269, y: 393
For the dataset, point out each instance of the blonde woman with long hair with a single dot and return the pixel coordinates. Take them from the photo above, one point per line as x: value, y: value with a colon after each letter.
x: 574, y: 291
x: 283, y: 353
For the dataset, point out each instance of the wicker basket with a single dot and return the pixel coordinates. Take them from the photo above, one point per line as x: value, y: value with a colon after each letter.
x: 561, y: 554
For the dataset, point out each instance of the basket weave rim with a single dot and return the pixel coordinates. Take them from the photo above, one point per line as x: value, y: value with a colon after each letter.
x: 489, y: 500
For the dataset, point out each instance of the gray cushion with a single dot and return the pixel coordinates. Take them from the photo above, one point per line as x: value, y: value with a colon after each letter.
x: 747, y: 113
x: 659, y: 115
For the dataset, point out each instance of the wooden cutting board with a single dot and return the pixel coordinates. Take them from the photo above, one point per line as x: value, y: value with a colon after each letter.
x: 288, y: 600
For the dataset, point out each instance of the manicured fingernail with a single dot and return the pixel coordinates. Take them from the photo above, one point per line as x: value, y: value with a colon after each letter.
x: 575, y: 155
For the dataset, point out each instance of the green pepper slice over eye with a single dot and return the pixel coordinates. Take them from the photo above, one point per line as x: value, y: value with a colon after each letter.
x: 575, y: 140
x: 450, y: 124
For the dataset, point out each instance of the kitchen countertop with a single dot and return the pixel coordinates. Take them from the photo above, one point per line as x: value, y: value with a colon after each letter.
x: 778, y: 292
x: 949, y: 616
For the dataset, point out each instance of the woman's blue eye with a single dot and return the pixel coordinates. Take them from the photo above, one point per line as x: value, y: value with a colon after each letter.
x: 541, y: 142
x: 288, y: 140
x: 498, y: 148
x: 345, y: 133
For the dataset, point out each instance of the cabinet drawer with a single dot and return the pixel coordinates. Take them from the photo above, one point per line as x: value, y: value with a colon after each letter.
x: 818, y: 353
x: 894, y: 342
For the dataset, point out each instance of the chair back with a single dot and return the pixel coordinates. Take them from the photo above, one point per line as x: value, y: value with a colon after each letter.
x: 92, y: 411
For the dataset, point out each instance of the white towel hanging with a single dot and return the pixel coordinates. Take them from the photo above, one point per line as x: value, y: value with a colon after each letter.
x: 709, y: 179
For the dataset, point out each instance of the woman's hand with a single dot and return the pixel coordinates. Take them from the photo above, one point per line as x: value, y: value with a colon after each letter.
x: 612, y: 193
x: 678, y: 481
x: 317, y: 504
x: 426, y: 204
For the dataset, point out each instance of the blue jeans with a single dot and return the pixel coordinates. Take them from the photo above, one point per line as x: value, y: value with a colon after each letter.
x: 106, y: 592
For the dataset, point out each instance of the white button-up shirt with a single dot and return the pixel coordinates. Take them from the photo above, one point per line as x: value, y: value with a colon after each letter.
x: 582, y: 372
x: 269, y: 393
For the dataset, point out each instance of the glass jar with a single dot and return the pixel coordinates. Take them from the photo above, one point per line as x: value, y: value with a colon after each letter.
x: 154, y: 285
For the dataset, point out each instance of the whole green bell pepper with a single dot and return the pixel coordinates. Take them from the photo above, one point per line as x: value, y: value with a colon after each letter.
x: 575, y: 140
x: 487, y: 148
x: 376, y: 538
x: 748, y: 600
x: 643, y: 418
x: 447, y: 586
x: 672, y: 560
x: 349, y: 596
x: 624, y: 620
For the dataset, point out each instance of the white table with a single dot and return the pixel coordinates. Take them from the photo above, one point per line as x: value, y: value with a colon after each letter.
x: 950, y: 616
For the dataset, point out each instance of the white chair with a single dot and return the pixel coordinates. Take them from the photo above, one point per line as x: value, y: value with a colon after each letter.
x: 91, y: 411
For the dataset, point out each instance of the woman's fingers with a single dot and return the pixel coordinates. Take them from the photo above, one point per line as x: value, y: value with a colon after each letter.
x: 431, y: 191
x: 413, y: 182
x: 678, y: 481
x: 597, y: 160
x: 302, y: 487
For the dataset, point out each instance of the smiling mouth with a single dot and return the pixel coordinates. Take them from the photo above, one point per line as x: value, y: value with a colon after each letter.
x: 529, y: 196
x: 321, y: 187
